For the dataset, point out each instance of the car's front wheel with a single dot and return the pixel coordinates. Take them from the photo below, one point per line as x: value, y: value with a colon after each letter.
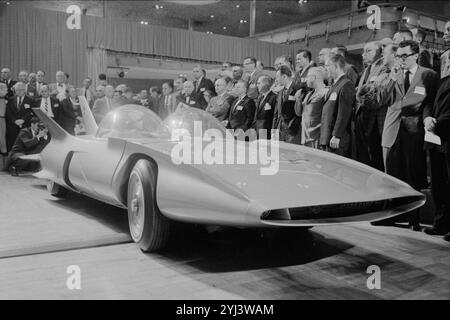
x: 148, y: 227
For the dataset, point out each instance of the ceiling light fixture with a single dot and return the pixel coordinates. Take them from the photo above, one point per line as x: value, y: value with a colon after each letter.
x: 269, y: 12
x: 224, y: 28
x: 238, y: 6
x: 211, y: 16
x: 194, y: 2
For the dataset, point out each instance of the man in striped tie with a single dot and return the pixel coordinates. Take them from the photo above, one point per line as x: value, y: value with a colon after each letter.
x: 48, y: 104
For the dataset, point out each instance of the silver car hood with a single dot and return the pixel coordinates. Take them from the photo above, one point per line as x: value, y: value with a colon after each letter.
x: 306, y: 177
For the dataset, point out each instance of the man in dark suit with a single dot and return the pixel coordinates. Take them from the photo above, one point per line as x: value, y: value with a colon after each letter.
x: 31, y: 89
x: 29, y: 141
x: 252, y: 74
x: 48, y: 104
x: 18, y: 113
x: 5, y: 77
x: 242, y: 110
x: 265, y: 107
x: 335, y: 131
x: 304, y: 63
x: 369, y: 115
x: 188, y: 96
x: 201, y: 84
x: 285, y: 119
x: 415, y: 89
x: 350, y: 70
x: 439, y: 123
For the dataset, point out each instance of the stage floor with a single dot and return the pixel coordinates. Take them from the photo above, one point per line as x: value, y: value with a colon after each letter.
x: 41, y: 236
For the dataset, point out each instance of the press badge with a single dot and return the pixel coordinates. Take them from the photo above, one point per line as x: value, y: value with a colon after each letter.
x: 267, y: 107
x: 239, y: 108
x: 192, y: 102
x: 419, y: 90
x: 56, y: 105
x: 26, y: 106
x: 31, y: 94
x: 202, y: 89
x: 333, y: 96
x: 291, y: 98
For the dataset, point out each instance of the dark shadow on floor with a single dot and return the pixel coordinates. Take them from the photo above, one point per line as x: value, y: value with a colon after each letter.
x: 111, y: 216
x: 249, y: 249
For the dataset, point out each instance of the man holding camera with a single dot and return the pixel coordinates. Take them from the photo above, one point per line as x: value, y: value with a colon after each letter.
x: 29, y: 141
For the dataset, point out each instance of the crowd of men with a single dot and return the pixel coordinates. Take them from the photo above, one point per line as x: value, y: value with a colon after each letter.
x: 378, y: 115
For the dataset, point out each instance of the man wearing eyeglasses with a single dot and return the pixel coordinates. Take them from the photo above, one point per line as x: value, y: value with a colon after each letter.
x: 415, y: 88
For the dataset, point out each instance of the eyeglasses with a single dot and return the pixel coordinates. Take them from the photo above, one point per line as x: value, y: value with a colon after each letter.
x: 404, y: 56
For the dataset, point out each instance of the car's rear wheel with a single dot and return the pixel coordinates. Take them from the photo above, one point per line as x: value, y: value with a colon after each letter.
x: 55, y: 189
x: 148, y: 227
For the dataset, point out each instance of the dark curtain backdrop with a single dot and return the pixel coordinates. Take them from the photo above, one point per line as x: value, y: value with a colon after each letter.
x: 35, y: 39
x: 38, y: 39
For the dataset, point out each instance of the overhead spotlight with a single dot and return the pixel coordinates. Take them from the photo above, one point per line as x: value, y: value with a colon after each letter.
x: 209, y: 32
x: 157, y: 7
x: 269, y: 12
x: 211, y: 16
x: 302, y: 1
x: 224, y: 28
x: 238, y: 6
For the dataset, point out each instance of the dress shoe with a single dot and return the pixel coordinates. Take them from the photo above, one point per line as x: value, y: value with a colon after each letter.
x: 416, y: 227
x: 436, y: 232
x: 447, y: 237
x: 13, y: 171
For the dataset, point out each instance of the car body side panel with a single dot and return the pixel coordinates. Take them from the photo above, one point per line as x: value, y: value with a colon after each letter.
x: 184, y: 193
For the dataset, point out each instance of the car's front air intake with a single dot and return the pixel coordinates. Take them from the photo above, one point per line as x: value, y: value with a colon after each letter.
x: 336, y: 210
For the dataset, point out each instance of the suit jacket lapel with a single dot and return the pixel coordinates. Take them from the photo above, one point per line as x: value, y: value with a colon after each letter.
x: 415, y: 79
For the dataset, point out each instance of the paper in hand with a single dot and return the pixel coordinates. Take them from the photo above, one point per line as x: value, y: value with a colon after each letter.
x: 432, y: 138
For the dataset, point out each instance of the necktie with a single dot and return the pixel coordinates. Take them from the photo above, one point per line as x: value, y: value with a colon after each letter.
x: 407, y: 83
x: 166, y: 101
x: 284, y: 92
x: 46, y: 106
x: 19, y: 102
x: 85, y: 93
x: 366, y: 76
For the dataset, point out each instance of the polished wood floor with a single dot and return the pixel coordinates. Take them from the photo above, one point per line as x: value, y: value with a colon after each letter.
x: 41, y: 236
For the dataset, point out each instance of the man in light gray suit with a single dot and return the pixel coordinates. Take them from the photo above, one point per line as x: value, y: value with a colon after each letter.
x: 415, y: 88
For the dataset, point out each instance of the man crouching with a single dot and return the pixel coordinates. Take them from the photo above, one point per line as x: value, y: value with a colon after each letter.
x: 29, y: 141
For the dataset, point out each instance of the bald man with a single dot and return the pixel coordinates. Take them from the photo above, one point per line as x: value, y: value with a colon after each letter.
x: 58, y: 89
x: 402, y: 35
x: 369, y: 115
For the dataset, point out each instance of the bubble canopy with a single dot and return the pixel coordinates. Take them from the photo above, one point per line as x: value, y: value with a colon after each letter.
x: 138, y: 122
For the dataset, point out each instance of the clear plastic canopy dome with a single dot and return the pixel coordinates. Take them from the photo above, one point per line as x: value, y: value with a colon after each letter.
x: 132, y: 122
x: 192, y: 120
x: 137, y: 122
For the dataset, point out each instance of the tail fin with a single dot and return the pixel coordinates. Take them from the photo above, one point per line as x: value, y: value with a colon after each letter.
x: 88, y: 118
x: 56, y: 131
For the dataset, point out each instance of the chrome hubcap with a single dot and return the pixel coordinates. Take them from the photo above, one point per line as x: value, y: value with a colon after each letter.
x: 136, y: 209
